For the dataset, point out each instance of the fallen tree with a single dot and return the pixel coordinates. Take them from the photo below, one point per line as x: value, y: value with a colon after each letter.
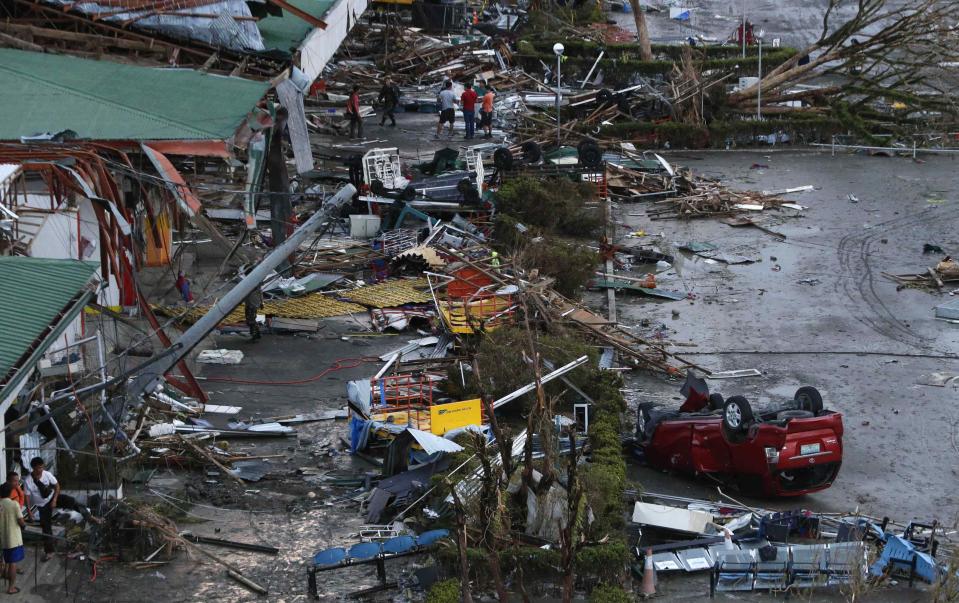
x: 882, y: 51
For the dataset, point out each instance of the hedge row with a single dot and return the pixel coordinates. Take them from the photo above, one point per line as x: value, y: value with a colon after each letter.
x: 605, y: 482
x: 574, y: 47
x: 806, y: 128
x: 619, y: 68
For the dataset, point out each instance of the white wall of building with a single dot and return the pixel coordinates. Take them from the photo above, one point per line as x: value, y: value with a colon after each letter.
x: 320, y: 45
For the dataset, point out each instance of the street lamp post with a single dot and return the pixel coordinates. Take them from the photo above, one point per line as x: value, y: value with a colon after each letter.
x: 558, y: 51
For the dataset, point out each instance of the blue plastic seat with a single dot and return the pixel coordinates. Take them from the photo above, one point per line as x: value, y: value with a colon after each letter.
x: 428, y: 538
x: 329, y: 557
x: 399, y: 544
x: 365, y: 550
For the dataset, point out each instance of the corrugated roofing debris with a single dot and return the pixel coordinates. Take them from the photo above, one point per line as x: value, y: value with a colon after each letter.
x: 101, y: 100
x: 35, y: 292
x: 315, y: 305
x: 389, y: 294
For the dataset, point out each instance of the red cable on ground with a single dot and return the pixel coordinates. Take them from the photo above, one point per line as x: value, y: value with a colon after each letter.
x: 336, y: 366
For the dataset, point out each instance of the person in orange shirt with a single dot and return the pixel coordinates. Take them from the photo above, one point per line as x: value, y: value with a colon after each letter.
x: 486, y: 112
x: 13, y: 478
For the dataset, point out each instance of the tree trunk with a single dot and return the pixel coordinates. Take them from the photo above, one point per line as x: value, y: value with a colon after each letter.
x: 642, y: 32
x: 461, y: 545
x: 279, y: 184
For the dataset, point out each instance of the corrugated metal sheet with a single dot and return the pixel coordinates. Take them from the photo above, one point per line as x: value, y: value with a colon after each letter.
x: 33, y: 292
x: 219, y: 29
x: 390, y: 294
x: 101, y: 100
x: 315, y: 305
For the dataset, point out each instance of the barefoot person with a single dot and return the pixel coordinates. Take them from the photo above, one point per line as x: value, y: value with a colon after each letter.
x: 11, y: 521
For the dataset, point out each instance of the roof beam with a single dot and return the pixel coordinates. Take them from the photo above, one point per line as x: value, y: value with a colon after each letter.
x: 314, y: 21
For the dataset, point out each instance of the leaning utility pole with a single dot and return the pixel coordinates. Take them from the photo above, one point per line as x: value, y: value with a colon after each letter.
x: 645, y: 47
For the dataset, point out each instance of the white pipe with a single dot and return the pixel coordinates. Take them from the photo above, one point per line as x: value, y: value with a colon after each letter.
x: 545, y: 379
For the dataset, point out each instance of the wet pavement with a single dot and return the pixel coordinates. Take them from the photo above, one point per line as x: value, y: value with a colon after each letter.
x: 817, y: 311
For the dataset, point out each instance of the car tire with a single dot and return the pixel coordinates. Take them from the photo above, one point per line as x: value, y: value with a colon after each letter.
x: 716, y: 402
x: 737, y: 414
x: 503, y: 159
x: 786, y: 415
x: 809, y: 399
x: 733, y: 437
x: 532, y: 152
x: 378, y: 188
x: 590, y: 155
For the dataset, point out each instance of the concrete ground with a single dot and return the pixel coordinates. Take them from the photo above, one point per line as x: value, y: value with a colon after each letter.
x: 816, y: 310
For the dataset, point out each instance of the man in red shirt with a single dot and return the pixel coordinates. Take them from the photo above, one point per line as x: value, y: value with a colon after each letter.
x: 353, y: 112
x: 468, y: 99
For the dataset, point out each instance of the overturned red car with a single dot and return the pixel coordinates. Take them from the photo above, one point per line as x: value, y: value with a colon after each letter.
x: 788, y: 450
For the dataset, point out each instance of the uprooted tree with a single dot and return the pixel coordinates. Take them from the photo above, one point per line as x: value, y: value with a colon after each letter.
x: 885, y: 50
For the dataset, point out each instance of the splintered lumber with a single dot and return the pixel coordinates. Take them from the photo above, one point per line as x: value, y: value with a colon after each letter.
x: 246, y: 582
x: 935, y: 277
x: 209, y: 457
x: 172, y: 535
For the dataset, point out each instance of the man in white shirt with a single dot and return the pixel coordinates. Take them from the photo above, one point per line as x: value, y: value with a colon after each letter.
x: 447, y: 106
x: 43, y: 494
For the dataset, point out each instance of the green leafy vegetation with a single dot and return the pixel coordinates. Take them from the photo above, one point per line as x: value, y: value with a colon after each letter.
x: 445, y: 591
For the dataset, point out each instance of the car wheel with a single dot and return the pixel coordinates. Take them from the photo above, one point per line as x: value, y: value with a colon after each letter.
x: 590, y: 154
x: 785, y: 415
x: 378, y: 188
x: 809, y: 399
x: 737, y: 414
x: 532, y: 152
x: 503, y: 159
x: 716, y: 402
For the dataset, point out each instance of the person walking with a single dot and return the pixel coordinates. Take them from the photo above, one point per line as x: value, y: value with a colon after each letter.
x: 447, y: 102
x: 486, y: 112
x: 43, y: 493
x: 11, y: 536
x: 251, y: 307
x: 353, y: 112
x: 390, y: 97
x: 468, y: 99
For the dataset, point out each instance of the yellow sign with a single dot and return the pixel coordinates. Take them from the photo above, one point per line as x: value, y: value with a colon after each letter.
x: 446, y: 417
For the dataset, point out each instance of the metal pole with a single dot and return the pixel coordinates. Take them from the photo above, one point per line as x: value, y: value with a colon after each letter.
x: 759, y: 84
x: 744, y: 29
x: 151, y: 376
x: 559, y: 80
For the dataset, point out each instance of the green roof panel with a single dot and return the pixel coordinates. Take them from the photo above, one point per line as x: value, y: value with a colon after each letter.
x: 35, y: 292
x: 102, y: 100
x: 289, y: 31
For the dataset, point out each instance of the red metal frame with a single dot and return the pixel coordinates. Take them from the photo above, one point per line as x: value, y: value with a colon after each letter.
x: 93, y: 169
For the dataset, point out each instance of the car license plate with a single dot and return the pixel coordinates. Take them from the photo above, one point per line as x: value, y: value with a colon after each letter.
x: 808, y: 449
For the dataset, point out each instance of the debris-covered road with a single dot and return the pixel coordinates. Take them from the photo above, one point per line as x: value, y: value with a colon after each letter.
x: 801, y: 314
